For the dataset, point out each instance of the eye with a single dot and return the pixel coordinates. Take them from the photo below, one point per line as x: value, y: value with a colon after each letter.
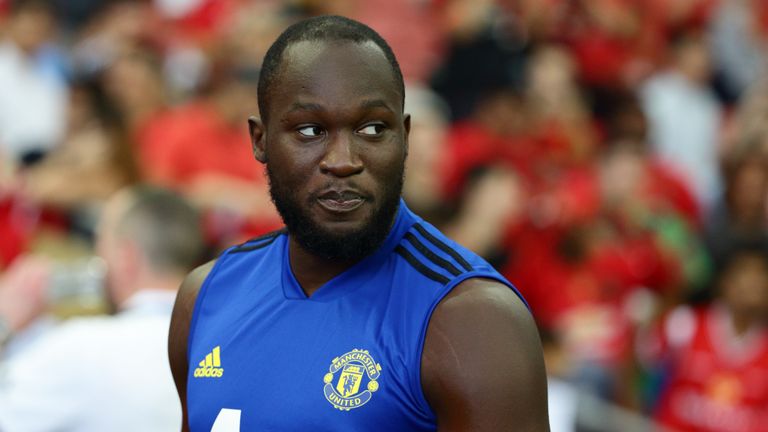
x: 310, y: 131
x: 372, y: 129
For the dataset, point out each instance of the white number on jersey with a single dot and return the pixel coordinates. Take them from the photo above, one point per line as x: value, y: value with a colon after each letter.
x: 228, y: 420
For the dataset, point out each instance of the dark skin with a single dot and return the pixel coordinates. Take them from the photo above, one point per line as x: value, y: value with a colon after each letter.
x: 482, y: 366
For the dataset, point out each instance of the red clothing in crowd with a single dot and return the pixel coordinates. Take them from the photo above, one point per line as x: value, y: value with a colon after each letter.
x: 532, y: 155
x: 15, y: 229
x: 193, y: 141
x: 719, y: 381
x: 608, y: 56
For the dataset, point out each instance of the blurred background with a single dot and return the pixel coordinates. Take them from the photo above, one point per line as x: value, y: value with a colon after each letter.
x: 609, y: 157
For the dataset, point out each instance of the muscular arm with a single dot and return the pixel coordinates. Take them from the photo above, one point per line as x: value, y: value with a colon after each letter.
x: 179, y: 333
x: 482, y: 365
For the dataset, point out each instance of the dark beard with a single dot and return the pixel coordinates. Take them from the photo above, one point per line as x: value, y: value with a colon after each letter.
x: 331, y: 245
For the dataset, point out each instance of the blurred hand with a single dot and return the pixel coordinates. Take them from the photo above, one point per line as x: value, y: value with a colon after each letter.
x: 495, y: 202
x: 496, y: 199
x: 23, y: 291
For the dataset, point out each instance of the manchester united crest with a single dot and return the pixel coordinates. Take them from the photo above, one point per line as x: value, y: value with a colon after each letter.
x: 351, y: 380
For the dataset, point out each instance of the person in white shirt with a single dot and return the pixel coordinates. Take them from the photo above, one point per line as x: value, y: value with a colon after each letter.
x: 33, y: 91
x: 685, y: 118
x: 106, y: 373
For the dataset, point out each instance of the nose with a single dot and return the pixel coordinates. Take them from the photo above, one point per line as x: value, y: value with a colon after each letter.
x: 341, y: 158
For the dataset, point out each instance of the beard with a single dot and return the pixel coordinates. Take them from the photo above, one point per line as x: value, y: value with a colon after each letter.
x: 326, y: 243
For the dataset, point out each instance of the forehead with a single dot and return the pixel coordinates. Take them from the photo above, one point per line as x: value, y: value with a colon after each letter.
x: 331, y: 73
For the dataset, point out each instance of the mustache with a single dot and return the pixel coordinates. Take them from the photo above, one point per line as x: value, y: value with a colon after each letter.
x: 341, y: 191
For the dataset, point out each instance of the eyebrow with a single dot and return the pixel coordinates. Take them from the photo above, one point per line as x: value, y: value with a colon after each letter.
x: 375, y: 103
x: 299, y: 106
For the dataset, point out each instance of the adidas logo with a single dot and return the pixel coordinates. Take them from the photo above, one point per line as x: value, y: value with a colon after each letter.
x: 211, y: 366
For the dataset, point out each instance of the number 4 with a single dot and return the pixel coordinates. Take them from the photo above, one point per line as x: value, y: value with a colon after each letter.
x: 228, y: 420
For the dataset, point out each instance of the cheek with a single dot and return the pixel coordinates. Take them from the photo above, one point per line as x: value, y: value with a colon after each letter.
x: 386, y: 160
x: 291, y: 166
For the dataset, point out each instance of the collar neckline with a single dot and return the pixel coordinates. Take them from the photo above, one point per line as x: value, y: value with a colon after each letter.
x: 357, y: 275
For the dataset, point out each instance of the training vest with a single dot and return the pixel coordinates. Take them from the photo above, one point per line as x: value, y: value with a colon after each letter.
x: 265, y: 357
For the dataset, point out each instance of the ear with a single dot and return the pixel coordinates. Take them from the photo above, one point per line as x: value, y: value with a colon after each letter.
x: 407, y: 127
x: 256, y: 128
x: 125, y: 269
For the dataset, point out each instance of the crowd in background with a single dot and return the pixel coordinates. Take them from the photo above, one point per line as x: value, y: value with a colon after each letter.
x: 610, y: 157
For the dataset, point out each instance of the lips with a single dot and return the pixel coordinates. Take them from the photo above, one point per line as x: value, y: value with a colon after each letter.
x: 342, y: 201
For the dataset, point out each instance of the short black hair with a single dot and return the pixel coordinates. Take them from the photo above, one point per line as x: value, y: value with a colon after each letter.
x: 321, y: 28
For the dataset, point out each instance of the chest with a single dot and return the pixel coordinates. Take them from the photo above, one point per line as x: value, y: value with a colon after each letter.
x: 281, y: 364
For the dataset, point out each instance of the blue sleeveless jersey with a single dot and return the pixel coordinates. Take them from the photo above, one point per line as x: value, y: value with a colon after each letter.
x: 264, y: 357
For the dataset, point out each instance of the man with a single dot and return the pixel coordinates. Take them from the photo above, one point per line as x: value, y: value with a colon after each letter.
x: 359, y: 316
x: 33, y: 91
x: 711, y: 357
x: 105, y: 373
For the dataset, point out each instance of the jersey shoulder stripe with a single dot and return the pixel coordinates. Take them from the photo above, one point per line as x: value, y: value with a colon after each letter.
x: 258, y: 242
x: 442, y: 246
x: 433, y: 255
x: 420, y: 266
x: 436, y: 259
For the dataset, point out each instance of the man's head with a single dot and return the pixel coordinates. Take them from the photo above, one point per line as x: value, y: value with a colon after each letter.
x: 321, y: 29
x: 744, y: 281
x: 31, y: 25
x: 148, y: 236
x: 333, y: 135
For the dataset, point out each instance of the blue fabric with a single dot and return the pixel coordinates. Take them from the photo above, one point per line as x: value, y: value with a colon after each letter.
x: 346, y: 359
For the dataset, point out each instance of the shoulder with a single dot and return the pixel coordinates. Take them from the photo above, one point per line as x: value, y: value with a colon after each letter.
x: 480, y: 304
x: 489, y: 295
x: 190, y: 287
x: 178, y: 334
x: 482, y: 365
x: 183, y: 309
x: 193, y: 283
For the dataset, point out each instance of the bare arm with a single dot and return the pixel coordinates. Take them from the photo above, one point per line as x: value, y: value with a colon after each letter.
x: 179, y: 333
x: 482, y: 366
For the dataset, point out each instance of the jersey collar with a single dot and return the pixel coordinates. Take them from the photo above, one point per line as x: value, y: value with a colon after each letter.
x: 356, y: 276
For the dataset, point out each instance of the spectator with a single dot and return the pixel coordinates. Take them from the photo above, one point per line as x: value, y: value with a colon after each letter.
x: 685, y: 117
x: 134, y: 84
x: 105, y: 373
x: 741, y: 214
x: 426, y: 161
x: 221, y: 176
x: 32, y: 88
x: 717, y: 356
x: 483, y: 56
x: 93, y: 161
x: 739, y: 41
x: 559, y: 113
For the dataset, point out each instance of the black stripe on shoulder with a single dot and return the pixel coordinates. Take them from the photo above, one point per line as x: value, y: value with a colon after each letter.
x: 426, y: 271
x: 431, y: 255
x: 443, y: 247
x: 259, y: 242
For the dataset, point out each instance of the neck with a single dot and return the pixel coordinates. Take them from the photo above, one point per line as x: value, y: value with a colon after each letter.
x: 312, y: 271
